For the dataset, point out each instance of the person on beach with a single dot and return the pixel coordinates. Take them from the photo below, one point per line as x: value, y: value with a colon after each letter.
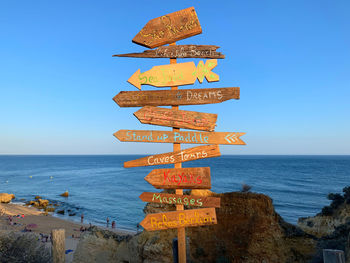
x: 107, y: 221
x: 10, y: 220
x: 82, y: 218
x: 113, y: 224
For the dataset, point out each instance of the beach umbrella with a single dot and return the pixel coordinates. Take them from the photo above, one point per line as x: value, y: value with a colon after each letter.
x: 32, y: 225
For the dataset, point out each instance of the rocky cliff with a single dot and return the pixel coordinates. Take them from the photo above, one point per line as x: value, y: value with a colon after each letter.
x: 248, y: 230
x: 6, y: 198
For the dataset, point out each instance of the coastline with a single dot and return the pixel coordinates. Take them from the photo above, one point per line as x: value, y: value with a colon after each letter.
x: 44, y: 223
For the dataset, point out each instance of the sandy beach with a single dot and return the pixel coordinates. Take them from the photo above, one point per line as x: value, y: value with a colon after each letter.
x: 44, y: 224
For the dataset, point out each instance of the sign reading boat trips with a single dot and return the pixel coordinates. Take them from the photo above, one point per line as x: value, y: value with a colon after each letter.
x: 187, y: 218
x: 168, y: 29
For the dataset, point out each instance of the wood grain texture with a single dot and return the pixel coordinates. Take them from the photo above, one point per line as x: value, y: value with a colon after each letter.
x: 179, y: 51
x: 180, y: 178
x: 181, y: 231
x: 176, y: 219
x: 58, y: 240
x: 175, y: 97
x: 177, y: 118
x: 186, y: 155
x: 230, y: 138
x: 169, y: 28
x: 171, y: 199
x: 175, y: 74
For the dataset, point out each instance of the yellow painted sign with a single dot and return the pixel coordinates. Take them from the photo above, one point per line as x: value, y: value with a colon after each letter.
x: 175, y: 74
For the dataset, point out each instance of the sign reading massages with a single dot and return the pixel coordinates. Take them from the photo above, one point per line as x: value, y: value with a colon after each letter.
x: 158, y: 32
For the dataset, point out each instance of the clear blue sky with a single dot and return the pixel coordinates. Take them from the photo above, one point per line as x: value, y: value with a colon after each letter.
x: 291, y: 60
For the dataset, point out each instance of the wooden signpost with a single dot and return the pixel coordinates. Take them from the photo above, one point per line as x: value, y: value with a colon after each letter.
x: 180, y: 137
x: 172, y: 199
x: 169, y: 29
x: 175, y: 97
x: 180, y: 51
x: 180, y: 178
x: 157, y: 32
x: 175, y: 74
x: 187, y: 218
x: 177, y: 118
x: 190, y: 154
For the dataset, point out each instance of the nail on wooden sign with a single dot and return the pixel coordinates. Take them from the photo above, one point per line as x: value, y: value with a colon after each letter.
x: 180, y: 178
x: 178, y: 51
x: 172, y: 199
x: 175, y: 74
x: 175, y: 97
x: 191, y: 154
x: 169, y: 29
x: 176, y: 219
x: 177, y: 118
x: 231, y: 138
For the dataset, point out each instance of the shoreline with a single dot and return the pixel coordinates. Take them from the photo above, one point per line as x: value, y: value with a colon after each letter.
x: 44, y: 223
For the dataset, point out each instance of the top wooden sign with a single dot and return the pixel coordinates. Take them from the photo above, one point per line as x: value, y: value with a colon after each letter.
x: 169, y: 28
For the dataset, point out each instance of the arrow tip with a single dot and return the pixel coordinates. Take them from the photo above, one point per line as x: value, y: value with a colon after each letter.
x: 134, y: 79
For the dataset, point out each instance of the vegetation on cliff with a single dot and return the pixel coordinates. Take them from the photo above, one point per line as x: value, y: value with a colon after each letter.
x: 337, y: 201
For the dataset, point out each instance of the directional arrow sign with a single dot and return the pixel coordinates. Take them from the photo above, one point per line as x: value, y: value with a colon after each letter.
x: 177, y: 118
x: 169, y: 28
x: 171, y: 199
x: 176, y: 219
x: 231, y: 138
x: 175, y: 97
x: 180, y: 178
x: 186, y: 155
x: 175, y: 74
x: 178, y: 51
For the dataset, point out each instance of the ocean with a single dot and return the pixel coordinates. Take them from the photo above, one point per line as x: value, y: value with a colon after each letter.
x: 100, y: 187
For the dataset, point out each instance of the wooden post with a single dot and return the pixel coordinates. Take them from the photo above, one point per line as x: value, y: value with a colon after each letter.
x: 58, y: 245
x: 333, y: 256
x: 181, y: 234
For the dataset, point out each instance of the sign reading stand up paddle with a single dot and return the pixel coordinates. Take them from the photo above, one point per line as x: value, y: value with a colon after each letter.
x: 168, y: 29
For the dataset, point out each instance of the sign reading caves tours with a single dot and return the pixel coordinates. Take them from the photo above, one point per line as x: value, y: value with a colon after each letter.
x: 157, y: 33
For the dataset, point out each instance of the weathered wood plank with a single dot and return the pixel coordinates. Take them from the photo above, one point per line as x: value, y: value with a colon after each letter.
x: 179, y: 51
x: 231, y: 138
x: 175, y: 97
x: 58, y: 245
x: 180, y: 178
x: 186, y: 155
x: 169, y: 28
x: 176, y: 219
x: 177, y: 118
x: 175, y: 74
x: 191, y: 200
